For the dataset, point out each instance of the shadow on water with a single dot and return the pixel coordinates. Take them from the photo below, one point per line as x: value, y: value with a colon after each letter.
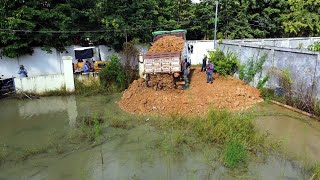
x: 132, y: 153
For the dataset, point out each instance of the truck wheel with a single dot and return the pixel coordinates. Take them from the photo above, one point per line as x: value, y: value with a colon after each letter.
x: 148, y: 82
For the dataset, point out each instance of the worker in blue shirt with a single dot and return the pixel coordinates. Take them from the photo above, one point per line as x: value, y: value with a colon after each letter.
x: 22, y: 71
x: 86, y: 67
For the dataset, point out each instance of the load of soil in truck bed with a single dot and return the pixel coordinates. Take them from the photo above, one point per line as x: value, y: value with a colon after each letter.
x: 167, y: 44
x: 225, y: 93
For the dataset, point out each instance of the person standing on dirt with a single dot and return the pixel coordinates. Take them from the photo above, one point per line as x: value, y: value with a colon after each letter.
x: 210, y: 68
x: 204, y: 63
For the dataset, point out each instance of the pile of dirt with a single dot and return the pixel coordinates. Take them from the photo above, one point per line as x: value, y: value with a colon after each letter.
x: 225, y: 93
x: 161, y: 81
x: 167, y: 44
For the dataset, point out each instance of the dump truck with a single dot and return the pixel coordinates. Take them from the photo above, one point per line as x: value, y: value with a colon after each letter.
x: 167, y: 63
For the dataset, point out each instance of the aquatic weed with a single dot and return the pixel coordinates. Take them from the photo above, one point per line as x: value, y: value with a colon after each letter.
x: 316, y: 172
x: 29, y: 152
x: 234, y: 154
x: 3, y: 153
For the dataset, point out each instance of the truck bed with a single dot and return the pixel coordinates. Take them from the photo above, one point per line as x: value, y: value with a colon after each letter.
x: 162, y: 63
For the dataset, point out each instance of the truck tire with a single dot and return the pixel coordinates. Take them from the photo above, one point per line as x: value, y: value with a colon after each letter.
x: 148, y: 82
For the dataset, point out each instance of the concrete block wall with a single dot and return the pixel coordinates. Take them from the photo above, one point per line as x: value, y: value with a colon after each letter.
x: 303, y: 65
x: 44, y: 63
x: 293, y: 43
x: 40, y: 84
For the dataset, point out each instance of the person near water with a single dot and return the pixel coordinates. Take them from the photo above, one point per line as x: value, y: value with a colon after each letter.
x: 22, y: 71
x: 204, y: 63
x: 210, y: 68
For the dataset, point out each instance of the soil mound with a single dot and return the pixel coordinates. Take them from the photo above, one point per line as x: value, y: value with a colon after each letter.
x: 225, y: 93
x: 167, y: 44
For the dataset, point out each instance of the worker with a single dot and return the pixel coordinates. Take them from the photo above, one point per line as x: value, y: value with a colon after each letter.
x: 186, y: 65
x: 86, y: 67
x: 22, y: 72
x: 204, y: 63
x: 210, y: 68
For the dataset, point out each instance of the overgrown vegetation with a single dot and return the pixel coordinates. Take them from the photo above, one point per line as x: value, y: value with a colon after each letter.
x: 113, y: 77
x: 299, y: 96
x: 59, y: 23
x: 315, y: 46
x: 234, y: 154
x: 88, y: 88
x: 234, y: 133
x: 88, y: 128
x: 3, y: 153
x: 316, y: 174
x: 224, y: 64
x: 248, y: 71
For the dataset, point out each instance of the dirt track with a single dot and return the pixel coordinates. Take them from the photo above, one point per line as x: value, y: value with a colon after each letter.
x: 225, y: 93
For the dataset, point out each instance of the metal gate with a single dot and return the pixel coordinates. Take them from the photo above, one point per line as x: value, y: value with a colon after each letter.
x: 7, y: 87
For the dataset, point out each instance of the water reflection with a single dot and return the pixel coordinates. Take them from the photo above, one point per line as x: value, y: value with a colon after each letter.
x: 44, y: 106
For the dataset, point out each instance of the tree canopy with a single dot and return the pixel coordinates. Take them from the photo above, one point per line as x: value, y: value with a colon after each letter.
x: 58, y: 23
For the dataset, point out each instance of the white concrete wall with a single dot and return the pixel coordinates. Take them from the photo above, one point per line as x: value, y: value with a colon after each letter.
x: 199, y: 49
x: 303, y: 65
x: 44, y: 63
x: 40, y: 63
x: 40, y: 84
x: 281, y: 42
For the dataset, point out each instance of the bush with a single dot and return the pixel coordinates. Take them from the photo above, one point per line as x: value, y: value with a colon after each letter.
x: 224, y: 64
x: 248, y: 71
x: 113, y: 77
x: 315, y: 46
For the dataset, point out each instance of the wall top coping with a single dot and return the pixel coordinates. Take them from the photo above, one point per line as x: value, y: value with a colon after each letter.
x: 302, y: 51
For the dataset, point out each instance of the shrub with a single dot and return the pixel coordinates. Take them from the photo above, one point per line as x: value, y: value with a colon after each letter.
x: 315, y: 46
x: 113, y: 77
x: 248, y: 71
x: 224, y: 64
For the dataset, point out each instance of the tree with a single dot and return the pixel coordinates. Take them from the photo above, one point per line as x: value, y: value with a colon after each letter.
x: 302, y: 18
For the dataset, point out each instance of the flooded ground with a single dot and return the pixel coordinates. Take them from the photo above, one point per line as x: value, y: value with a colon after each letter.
x: 299, y: 134
x: 134, y: 153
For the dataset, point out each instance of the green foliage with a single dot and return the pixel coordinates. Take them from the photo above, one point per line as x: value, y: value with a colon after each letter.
x: 89, y: 128
x: 262, y: 82
x: 285, y: 81
x: 96, y: 127
x: 234, y: 154
x: 58, y: 24
x: 117, y: 122
x: 3, y: 153
x: 301, y: 18
x: 315, y: 46
x: 248, y: 71
x: 224, y: 64
x: 88, y: 89
x: 113, y: 77
x: 317, y: 171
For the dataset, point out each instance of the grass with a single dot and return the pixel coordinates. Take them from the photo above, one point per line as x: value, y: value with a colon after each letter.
x: 3, y: 154
x: 234, y: 134
x: 89, y: 128
x: 33, y: 151
x: 234, y: 154
x: 120, y: 123
x: 89, y: 88
x: 317, y: 172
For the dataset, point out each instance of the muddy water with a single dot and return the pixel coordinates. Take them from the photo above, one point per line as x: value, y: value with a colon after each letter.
x: 299, y: 134
x: 129, y: 154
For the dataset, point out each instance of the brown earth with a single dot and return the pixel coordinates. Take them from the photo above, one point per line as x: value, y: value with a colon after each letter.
x: 167, y: 44
x: 225, y: 93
